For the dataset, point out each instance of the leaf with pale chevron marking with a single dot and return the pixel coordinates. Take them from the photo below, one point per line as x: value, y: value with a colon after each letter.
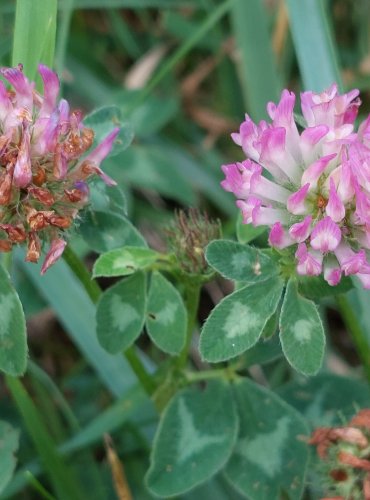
x: 302, y: 335
x: 166, y: 320
x: 240, y: 262
x: 270, y: 457
x: 9, y: 438
x: 120, y: 313
x: 194, y: 439
x: 237, y: 322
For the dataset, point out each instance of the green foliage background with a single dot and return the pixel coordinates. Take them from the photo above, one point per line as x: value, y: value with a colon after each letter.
x: 179, y: 75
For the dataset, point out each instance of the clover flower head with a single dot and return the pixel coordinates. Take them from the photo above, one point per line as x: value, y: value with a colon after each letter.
x: 311, y: 187
x: 44, y: 164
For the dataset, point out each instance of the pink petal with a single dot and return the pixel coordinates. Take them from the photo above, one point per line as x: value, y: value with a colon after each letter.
x: 309, y: 263
x: 278, y: 237
x: 296, y: 203
x: 335, y: 208
x: 268, y: 190
x: 51, y: 89
x: 22, y: 170
x: 24, y: 89
x: 275, y: 157
x: 350, y: 262
x: 101, y: 151
x: 326, y: 235
x: 365, y: 280
x: 301, y: 231
x: 310, y: 142
x: 313, y: 173
x: 332, y: 275
x: 238, y: 176
x: 247, y: 136
x: 56, y: 249
x: 247, y: 208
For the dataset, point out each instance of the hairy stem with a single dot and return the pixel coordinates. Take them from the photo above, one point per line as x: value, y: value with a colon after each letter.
x: 359, y: 338
x: 94, y: 292
x: 192, y: 294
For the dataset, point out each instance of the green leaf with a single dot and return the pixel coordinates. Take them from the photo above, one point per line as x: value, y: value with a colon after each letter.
x: 150, y: 166
x: 258, y: 72
x: 124, y: 261
x: 104, y: 231
x: 194, y: 439
x: 313, y: 44
x: 240, y: 262
x: 302, y: 335
x: 315, y: 287
x: 265, y: 351
x: 34, y: 34
x: 270, y: 456
x: 152, y: 115
x: 237, y: 322
x: 103, y: 121
x: 9, y: 438
x: 120, y: 313
x: 105, y: 198
x: 13, y: 340
x: 327, y: 399
x: 166, y: 320
x: 76, y: 313
x: 247, y: 232
x: 109, y: 420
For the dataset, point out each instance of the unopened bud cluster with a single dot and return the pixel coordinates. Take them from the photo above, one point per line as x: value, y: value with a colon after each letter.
x: 43, y: 165
x: 188, y: 237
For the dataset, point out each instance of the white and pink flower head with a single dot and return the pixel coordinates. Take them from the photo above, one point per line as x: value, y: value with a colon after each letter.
x: 311, y: 187
x: 43, y: 166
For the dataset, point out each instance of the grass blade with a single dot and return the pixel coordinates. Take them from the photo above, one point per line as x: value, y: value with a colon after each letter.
x: 64, y: 483
x: 34, y: 34
x: 313, y: 44
x: 259, y: 76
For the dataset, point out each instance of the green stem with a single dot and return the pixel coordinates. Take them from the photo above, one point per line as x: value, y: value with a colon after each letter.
x: 94, y: 292
x: 35, y: 483
x: 205, y: 375
x: 7, y: 261
x: 192, y: 294
x: 145, y: 379
x: 354, y: 327
x: 77, y: 266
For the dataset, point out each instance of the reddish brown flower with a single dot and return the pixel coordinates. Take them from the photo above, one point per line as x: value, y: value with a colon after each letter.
x: 44, y: 164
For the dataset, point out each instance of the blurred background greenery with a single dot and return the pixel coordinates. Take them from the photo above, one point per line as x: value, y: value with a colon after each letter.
x: 183, y: 73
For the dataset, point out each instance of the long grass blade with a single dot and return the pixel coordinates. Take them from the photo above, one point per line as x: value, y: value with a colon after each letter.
x: 313, y: 44
x: 258, y: 71
x: 34, y: 34
x: 65, y: 486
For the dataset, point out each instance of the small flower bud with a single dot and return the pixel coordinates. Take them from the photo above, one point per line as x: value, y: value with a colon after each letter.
x: 188, y: 237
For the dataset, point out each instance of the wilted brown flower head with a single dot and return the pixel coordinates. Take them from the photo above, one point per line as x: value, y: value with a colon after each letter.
x: 346, y: 455
x: 43, y: 164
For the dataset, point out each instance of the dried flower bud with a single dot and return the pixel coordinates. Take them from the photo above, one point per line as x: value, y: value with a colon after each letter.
x: 5, y: 245
x: 42, y: 167
x: 33, y: 248
x: 345, y: 455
